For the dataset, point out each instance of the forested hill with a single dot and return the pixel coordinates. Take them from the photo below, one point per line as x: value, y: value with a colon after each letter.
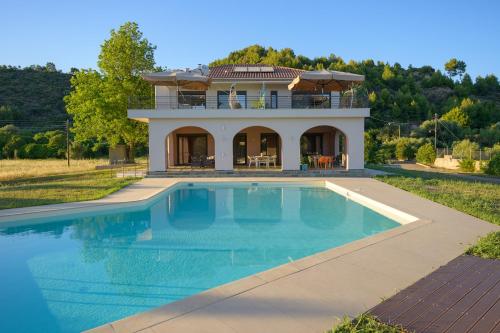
x: 405, y: 95
x: 33, y: 93
x: 397, y: 94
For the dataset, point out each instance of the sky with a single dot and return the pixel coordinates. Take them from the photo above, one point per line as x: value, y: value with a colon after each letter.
x: 69, y: 33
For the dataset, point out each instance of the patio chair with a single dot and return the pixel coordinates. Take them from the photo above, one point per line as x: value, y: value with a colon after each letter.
x: 254, y: 160
x: 264, y: 160
x: 273, y: 160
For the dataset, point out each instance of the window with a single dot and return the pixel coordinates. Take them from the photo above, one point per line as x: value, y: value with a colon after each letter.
x: 274, y: 99
x: 191, y: 99
x: 223, y: 99
x: 307, y: 100
x: 311, y: 144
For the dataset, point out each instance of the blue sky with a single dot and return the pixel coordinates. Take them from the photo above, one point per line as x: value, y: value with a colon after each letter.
x: 69, y: 33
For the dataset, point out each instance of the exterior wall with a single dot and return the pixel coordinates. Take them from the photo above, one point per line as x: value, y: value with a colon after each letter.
x: 289, y: 129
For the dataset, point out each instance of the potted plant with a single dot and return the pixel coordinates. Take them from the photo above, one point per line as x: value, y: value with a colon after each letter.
x: 304, y: 163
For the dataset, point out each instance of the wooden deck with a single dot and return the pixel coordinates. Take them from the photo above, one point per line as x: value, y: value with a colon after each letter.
x: 462, y: 296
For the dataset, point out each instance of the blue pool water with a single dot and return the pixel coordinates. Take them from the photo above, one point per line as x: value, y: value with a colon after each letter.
x: 71, y: 273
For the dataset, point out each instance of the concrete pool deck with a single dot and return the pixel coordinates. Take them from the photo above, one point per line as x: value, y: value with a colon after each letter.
x: 311, y: 294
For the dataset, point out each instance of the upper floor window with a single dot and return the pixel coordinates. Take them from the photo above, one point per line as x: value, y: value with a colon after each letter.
x: 274, y: 99
x: 191, y: 99
x: 223, y: 100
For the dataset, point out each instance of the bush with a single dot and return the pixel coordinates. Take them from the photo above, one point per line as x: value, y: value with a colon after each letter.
x: 467, y: 165
x: 406, y: 148
x: 464, y: 149
x: 493, y: 167
x: 426, y: 154
x: 35, y: 151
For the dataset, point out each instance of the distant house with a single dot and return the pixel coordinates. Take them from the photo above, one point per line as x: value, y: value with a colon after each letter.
x: 232, y: 116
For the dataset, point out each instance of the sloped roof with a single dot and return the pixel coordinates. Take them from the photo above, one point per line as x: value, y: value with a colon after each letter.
x: 267, y: 73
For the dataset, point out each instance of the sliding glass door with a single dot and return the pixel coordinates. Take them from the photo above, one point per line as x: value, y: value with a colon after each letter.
x: 189, y: 146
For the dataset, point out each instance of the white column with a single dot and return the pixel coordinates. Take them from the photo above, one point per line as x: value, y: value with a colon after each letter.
x: 156, y: 147
x: 336, y: 144
x: 223, y: 152
x: 356, y: 146
x: 290, y: 152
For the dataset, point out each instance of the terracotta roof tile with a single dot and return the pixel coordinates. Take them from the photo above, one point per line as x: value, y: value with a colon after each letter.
x: 228, y: 72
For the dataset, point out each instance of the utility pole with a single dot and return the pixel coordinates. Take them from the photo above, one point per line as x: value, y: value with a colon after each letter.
x: 399, y: 130
x: 435, y: 131
x: 67, y: 140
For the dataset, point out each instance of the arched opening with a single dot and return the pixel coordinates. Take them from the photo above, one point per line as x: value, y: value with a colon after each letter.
x: 324, y: 147
x: 257, y: 147
x: 189, y: 147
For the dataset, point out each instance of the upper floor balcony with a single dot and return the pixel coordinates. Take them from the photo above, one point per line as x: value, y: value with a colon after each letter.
x: 201, y: 100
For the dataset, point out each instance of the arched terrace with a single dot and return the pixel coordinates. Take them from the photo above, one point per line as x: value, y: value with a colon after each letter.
x: 257, y: 147
x: 189, y: 146
x: 324, y: 147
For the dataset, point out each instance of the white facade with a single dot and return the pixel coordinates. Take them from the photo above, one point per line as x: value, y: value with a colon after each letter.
x: 223, y: 124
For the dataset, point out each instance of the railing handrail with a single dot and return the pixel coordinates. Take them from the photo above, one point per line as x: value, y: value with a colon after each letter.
x: 302, y: 101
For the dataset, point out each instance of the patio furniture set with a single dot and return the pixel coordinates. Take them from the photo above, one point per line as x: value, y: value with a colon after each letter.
x: 262, y: 160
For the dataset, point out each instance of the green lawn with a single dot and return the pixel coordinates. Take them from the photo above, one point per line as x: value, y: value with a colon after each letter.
x: 35, y: 191
x: 479, y: 199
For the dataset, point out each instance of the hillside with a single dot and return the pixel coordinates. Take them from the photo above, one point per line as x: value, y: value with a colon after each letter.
x: 405, y: 95
x: 33, y: 93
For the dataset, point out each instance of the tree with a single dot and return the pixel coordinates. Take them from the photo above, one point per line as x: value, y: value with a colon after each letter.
x: 387, y: 74
x: 98, y: 100
x: 455, y: 67
x: 458, y: 115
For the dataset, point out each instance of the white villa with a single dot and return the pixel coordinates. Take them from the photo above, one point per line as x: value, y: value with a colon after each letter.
x: 253, y: 116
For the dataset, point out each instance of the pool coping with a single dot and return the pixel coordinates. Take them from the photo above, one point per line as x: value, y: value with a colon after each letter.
x: 369, y: 189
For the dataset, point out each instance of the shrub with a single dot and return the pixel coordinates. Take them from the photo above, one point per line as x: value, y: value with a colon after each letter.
x: 467, y: 165
x: 426, y: 154
x: 35, y: 151
x: 384, y: 153
x: 493, y: 167
x: 407, y: 147
x: 464, y: 148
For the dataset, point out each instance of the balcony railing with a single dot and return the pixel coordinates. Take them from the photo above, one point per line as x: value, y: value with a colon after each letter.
x: 302, y: 101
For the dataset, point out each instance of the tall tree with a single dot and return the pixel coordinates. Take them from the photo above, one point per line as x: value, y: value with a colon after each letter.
x: 98, y: 101
x: 455, y: 67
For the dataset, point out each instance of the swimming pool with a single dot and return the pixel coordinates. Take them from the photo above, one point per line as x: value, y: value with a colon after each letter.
x: 78, y: 271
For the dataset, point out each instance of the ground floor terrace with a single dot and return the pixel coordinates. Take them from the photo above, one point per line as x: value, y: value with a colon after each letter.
x: 270, y: 145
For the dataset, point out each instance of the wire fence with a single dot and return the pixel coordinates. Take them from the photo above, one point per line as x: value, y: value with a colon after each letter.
x: 474, y: 154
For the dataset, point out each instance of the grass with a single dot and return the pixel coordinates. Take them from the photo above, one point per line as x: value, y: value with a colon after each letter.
x: 476, y: 198
x: 487, y: 247
x: 15, y: 169
x: 365, y: 324
x: 60, y: 188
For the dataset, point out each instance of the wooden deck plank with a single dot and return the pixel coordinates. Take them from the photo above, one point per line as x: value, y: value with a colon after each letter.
x: 489, y: 321
x: 437, y: 303
x: 447, y: 319
x: 438, y: 279
x: 412, y: 294
x: 472, y: 316
x: 462, y: 296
